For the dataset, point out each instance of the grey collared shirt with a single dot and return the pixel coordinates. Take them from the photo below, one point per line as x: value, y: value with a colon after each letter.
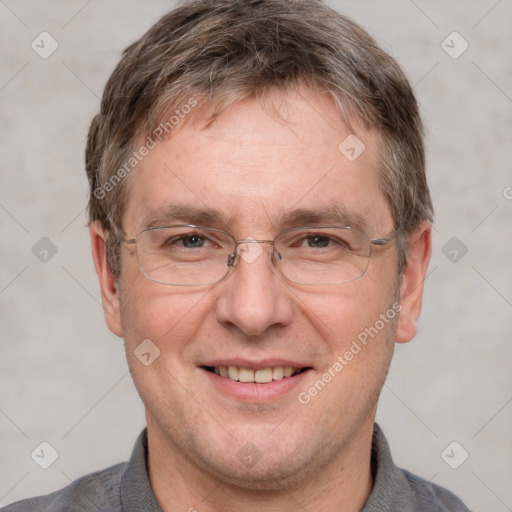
x: 125, y: 487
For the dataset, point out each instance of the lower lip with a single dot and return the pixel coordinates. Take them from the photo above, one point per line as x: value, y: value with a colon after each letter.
x: 254, y: 391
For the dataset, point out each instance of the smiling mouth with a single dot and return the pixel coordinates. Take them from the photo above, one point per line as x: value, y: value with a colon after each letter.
x: 260, y: 376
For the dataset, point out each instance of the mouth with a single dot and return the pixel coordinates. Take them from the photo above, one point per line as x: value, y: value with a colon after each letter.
x: 257, y: 376
x: 255, y: 381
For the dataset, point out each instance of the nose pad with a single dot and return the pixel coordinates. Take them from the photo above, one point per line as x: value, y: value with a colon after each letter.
x: 250, y: 250
x: 231, y: 259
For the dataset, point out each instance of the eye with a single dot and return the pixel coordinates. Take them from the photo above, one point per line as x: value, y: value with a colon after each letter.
x: 318, y: 241
x: 321, y: 241
x: 192, y: 241
x: 189, y: 241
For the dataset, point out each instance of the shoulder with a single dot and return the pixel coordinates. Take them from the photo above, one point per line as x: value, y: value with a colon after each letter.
x: 94, y: 492
x: 430, y: 497
x: 397, y: 489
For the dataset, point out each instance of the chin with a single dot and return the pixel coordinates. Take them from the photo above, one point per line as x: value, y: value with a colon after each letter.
x: 265, y: 475
x: 275, y: 465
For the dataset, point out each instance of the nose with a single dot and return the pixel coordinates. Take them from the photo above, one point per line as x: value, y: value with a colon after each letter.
x: 254, y: 298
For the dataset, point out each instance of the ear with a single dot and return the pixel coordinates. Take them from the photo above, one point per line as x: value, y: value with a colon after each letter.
x: 411, y: 290
x: 108, y: 282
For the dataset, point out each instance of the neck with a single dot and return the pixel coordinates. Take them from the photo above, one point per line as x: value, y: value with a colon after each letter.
x: 178, y: 483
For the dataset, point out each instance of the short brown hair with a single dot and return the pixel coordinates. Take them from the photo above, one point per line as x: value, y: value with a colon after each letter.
x: 223, y: 51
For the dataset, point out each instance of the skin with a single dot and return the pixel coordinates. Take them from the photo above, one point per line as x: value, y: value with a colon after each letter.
x: 252, y: 164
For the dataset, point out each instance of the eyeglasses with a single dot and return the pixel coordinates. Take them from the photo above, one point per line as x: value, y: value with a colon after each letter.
x: 188, y: 255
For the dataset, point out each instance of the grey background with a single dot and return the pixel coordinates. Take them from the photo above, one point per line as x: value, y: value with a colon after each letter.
x: 63, y: 375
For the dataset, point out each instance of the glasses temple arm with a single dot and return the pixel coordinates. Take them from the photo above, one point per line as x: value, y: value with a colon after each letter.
x: 385, y: 240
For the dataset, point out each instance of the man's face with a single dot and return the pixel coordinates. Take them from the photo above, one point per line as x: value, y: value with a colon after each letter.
x: 254, y: 169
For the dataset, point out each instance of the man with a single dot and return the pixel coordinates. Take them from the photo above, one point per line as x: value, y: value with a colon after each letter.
x: 260, y: 227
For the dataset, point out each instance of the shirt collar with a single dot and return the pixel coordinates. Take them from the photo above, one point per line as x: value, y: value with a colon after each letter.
x: 136, y: 492
x: 391, y: 490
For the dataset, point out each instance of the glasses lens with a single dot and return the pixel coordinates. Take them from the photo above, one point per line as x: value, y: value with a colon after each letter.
x: 184, y: 255
x: 323, y: 255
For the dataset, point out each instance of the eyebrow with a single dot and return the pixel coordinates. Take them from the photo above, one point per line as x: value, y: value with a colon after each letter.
x: 164, y: 215
x: 335, y: 214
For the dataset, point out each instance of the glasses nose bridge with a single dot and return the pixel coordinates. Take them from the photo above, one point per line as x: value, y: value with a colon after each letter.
x: 253, y: 241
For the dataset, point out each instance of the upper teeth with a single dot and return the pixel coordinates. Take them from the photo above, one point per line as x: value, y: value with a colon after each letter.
x: 261, y: 376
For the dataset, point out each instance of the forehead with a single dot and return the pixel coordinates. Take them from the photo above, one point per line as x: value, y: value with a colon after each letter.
x: 258, y: 163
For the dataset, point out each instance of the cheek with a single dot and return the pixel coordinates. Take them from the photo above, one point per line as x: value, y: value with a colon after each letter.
x: 340, y: 315
x: 345, y: 390
x: 159, y: 326
x: 168, y: 316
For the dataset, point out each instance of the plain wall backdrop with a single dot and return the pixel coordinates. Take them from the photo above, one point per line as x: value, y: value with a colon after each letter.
x: 64, y: 379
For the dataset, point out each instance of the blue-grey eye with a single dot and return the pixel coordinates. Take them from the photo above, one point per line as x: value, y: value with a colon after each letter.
x: 318, y: 241
x: 192, y: 241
